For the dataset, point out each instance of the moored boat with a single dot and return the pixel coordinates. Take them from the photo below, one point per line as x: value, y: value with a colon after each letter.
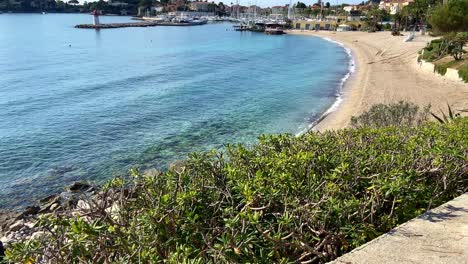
x: 274, y: 31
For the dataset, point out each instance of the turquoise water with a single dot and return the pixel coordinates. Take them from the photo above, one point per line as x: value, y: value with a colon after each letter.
x: 79, y: 104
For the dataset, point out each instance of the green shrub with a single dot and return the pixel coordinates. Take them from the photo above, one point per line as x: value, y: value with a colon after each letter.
x: 455, y: 44
x: 284, y: 200
x: 432, y: 50
x: 450, y: 17
x: 441, y: 68
x: 463, y: 72
x: 395, y: 114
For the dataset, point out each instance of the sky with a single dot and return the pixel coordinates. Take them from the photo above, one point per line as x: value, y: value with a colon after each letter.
x: 265, y: 3
x: 269, y: 3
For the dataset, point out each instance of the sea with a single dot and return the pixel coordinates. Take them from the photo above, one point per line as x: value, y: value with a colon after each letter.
x: 88, y: 105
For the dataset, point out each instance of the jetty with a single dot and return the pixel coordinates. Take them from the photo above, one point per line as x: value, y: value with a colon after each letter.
x: 117, y: 25
x: 138, y: 24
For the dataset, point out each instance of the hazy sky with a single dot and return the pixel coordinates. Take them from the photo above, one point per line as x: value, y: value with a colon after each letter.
x: 264, y: 3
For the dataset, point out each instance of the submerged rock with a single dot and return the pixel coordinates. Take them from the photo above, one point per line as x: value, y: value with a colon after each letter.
x: 30, y: 210
x: 79, y: 186
x: 49, y: 199
x: 178, y: 165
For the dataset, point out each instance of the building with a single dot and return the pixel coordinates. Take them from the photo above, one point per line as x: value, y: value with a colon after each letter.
x: 255, y: 9
x: 191, y: 14
x: 393, y: 6
x: 200, y: 6
x: 265, y: 11
x: 349, y: 8
x: 238, y: 10
x: 279, y: 10
x: 116, y: 3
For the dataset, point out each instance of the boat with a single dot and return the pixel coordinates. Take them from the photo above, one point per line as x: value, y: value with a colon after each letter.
x: 274, y: 31
x: 183, y: 22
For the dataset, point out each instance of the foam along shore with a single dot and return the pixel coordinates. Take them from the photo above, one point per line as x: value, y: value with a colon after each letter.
x: 387, y: 71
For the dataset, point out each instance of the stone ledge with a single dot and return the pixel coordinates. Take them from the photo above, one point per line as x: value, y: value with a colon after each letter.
x: 451, y: 74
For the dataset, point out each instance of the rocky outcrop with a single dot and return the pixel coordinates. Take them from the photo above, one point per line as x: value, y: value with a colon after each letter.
x: 20, y: 226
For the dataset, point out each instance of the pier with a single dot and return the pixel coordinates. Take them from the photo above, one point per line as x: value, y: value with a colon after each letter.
x: 138, y: 24
x: 117, y: 25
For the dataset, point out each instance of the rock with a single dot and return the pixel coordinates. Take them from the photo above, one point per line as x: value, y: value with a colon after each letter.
x: 5, y: 240
x: 7, y: 218
x: 30, y: 210
x: 38, y: 235
x: 113, y: 211
x: 29, y: 225
x: 152, y: 172
x: 79, y: 186
x: 54, y: 207
x: 10, y: 235
x: 52, y: 201
x: 17, y: 225
x: 49, y: 199
x: 83, y: 205
x: 178, y: 165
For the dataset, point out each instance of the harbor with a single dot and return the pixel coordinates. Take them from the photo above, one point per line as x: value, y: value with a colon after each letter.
x: 173, y: 21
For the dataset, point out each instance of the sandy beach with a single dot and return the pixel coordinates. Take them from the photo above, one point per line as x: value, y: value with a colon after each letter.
x: 387, y: 71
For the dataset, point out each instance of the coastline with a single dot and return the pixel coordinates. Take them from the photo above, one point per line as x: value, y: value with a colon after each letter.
x: 386, y: 71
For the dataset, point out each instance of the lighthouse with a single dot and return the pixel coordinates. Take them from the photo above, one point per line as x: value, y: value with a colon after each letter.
x: 96, y: 17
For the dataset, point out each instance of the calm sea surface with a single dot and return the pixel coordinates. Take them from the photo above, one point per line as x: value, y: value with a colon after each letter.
x: 80, y: 104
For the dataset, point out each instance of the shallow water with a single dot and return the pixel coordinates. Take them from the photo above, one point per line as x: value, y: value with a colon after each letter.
x: 79, y: 104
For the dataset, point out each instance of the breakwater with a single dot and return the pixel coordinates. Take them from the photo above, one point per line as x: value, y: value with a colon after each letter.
x: 117, y: 25
x: 138, y: 24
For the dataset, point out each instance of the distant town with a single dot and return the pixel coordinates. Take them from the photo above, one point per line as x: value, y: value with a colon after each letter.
x: 319, y: 10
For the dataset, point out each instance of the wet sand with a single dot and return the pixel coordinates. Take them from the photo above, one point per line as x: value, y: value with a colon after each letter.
x: 387, y: 71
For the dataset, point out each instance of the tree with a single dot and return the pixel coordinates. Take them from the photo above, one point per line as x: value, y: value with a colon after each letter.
x: 145, y: 3
x: 301, y: 5
x: 417, y: 11
x: 397, y: 18
x: 327, y: 5
x: 73, y: 2
x: 451, y: 17
x: 374, y: 16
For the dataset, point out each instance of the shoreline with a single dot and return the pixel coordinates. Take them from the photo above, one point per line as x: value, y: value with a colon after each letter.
x: 385, y: 71
x: 344, y: 83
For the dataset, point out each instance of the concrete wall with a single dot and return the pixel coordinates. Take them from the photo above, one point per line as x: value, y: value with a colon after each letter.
x: 451, y: 74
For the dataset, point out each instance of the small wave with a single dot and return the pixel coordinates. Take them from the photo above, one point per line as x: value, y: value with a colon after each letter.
x: 340, y: 92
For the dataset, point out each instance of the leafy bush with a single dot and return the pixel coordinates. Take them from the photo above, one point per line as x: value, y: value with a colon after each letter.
x: 395, y: 114
x: 441, y: 68
x: 284, y: 200
x: 463, y: 72
x: 455, y: 44
x: 450, y: 116
x: 450, y: 17
x: 433, y: 50
x: 450, y: 44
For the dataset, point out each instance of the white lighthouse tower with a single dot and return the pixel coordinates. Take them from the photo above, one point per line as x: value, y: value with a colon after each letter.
x: 96, y: 17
